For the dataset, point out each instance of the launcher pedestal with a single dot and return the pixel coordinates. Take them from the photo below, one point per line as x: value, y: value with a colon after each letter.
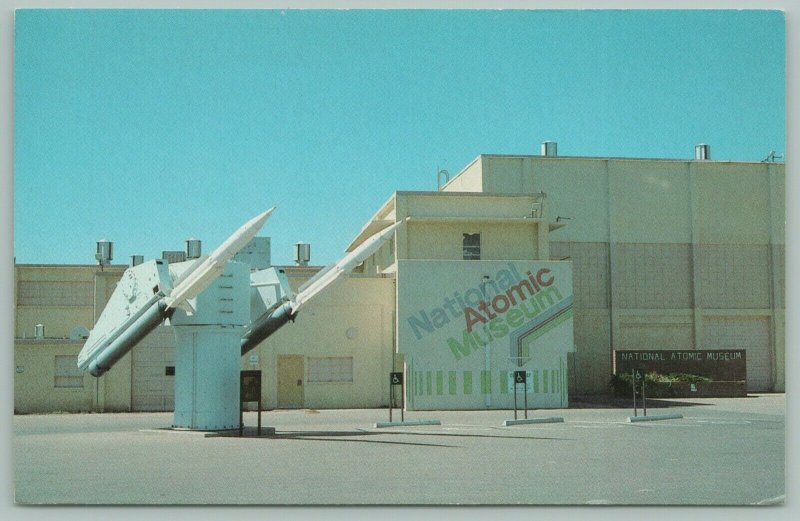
x: 208, y: 353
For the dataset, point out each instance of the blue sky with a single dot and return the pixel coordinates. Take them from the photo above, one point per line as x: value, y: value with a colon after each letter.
x: 149, y: 127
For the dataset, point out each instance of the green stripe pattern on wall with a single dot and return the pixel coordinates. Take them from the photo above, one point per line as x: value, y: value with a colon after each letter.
x: 439, y: 383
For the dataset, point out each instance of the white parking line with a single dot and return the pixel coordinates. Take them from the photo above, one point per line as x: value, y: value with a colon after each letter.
x: 772, y: 501
x: 724, y: 422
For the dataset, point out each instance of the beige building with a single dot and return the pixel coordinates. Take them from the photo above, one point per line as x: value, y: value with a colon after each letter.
x: 664, y: 254
x: 64, y: 302
x: 667, y: 254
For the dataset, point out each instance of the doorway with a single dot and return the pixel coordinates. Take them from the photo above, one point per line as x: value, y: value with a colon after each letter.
x: 290, y: 381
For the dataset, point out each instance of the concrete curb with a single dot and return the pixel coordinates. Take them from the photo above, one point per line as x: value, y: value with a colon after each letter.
x: 552, y: 419
x: 407, y: 423
x: 188, y: 432
x: 634, y: 419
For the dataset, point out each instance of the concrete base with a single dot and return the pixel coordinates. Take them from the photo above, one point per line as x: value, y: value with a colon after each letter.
x: 265, y: 431
x: 634, y: 419
x: 190, y: 433
x: 407, y: 423
x: 552, y: 419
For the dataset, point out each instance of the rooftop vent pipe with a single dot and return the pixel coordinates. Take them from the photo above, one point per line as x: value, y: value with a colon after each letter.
x: 302, y: 253
x: 439, y: 174
x: 702, y: 152
x: 549, y: 149
x: 105, y: 252
x: 193, y: 248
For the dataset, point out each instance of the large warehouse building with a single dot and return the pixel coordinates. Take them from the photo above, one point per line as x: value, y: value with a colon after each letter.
x: 542, y: 263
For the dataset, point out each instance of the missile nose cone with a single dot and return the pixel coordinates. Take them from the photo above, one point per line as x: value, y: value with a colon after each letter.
x: 259, y: 220
x: 267, y: 213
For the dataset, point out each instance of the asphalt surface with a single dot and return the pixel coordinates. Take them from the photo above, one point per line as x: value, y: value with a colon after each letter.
x: 722, y: 452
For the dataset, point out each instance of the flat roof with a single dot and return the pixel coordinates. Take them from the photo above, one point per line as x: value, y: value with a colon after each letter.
x: 106, y: 266
x: 601, y: 158
x: 470, y: 194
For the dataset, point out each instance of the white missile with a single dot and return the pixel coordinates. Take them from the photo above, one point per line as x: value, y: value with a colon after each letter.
x: 282, y: 312
x: 332, y: 274
x: 200, y: 275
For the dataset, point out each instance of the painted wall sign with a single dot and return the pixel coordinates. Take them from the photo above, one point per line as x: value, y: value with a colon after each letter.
x: 466, y: 326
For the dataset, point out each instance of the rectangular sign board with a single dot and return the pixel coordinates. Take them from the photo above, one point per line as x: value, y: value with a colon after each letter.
x: 250, y: 386
x: 721, y: 365
x: 515, y: 385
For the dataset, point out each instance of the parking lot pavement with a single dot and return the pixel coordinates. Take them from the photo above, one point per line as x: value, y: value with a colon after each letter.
x: 721, y: 452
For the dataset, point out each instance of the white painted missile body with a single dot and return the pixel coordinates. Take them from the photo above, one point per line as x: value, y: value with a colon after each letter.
x: 148, y: 294
x: 282, y: 312
x: 331, y: 274
x: 135, y: 308
x: 196, y: 278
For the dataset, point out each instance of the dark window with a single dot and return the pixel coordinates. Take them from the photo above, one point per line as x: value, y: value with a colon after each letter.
x: 170, y: 370
x: 472, y: 246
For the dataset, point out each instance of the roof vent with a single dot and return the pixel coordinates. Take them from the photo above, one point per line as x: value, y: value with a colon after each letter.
x: 702, y: 152
x: 105, y: 252
x: 549, y: 149
x: 193, y: 248
x: 136, y: 260
x: 302, y: 253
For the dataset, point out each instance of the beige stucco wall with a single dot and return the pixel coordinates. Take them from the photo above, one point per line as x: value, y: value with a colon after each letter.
x: 35, y: 390
x: 499, y: 241
x: 649, y: 202
x: 470, y: 179
x: 577, y: 190
x: 438, y: 221
x: 61, y: 298
x: 362, y: 305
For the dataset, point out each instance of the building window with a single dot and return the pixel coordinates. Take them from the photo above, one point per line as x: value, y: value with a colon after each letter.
x: 67, y: 373
x: 330, y: 369
x: 472, y: 246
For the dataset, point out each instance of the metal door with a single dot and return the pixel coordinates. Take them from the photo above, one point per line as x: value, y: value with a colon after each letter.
x: 153, y: 363
x: 750, y: 333
x: 290, y: 381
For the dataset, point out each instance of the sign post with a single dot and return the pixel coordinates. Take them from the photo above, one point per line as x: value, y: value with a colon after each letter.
x: 636, y: 375
x: 249, y: 391
x: 396, y: 378
x: 644, y: 397
x: 520, y: 377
